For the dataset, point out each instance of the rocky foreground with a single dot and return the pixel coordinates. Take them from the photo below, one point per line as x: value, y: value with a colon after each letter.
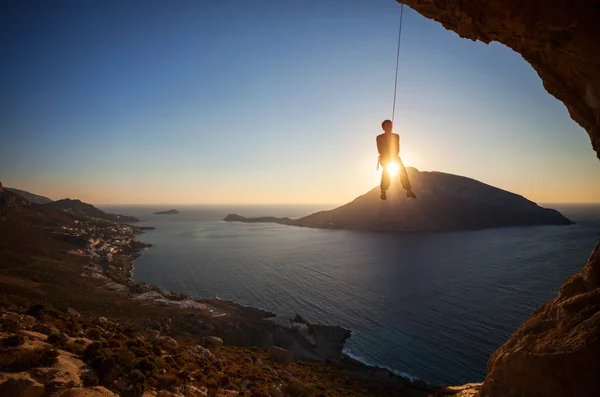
x: 45, y: 351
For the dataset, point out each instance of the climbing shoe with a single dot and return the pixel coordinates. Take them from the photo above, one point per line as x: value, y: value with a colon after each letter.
x: 410, y: 194
x: 383, y: 195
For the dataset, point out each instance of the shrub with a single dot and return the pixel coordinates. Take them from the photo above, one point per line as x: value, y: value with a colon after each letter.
x: 39, y: 310
x: 18, y: 360
x: 261, y: 391
x: 94, y: 333
x: 58, y: 340
x: 146, y: 365
x: 75, y: 348
x: 105, y: 366
x: 168, y: 380
x: 10, y: 301
x: 13, y: 340
x: 298, y: 389
x: 137, y: 382
x: 92, y: 351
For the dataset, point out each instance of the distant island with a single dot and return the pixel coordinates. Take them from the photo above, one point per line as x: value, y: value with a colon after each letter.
x: 85, y: 210
x: 169, y: 212
x: 445, y: 202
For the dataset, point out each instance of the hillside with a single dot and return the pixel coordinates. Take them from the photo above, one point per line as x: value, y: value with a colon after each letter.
x: 77, y: 207
x: 445, y: 202
x: 34, y: 198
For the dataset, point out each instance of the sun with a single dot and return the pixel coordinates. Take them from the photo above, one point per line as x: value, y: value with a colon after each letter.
x: 393, y: 168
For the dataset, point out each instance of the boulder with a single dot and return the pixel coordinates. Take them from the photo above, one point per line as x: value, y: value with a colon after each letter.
x: 72, y: 312
x: 44, y: 329
x: 97, y: 391
x: 193, y: 391
x: 556, y: 352
x: 281, y: 356
x: 166, y: 342
x: 21, y: 385
x: 202, y: 352
x: 468, y: 390
x: 211, y: 341
x: 151, y: 335
x: 34, y: 335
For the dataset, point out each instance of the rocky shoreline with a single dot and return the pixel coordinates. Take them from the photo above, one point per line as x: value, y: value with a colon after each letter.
x: 237, y: 324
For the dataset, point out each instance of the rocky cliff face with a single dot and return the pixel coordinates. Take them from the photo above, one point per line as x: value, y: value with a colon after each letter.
x: 556, y: 352
x: 559, y: 38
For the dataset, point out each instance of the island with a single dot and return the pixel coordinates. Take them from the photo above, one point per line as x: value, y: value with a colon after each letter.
x: 445, y: 202
x: 169, y: 212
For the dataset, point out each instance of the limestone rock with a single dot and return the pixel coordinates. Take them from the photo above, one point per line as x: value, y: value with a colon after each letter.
x: 97, y: 391
x: 193, y: 391
x: 203, y: 352
x: 166, y: 342
x: 44, y: 329
x: 211, y: 341
x: 72, y: 312
x: 556, y: 352
x: 468, y: 390
x: 281, y: 356
x: 34, y: 335
x: 20, y: 385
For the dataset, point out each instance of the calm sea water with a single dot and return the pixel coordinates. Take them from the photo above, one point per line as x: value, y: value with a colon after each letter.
x: 433, y: 306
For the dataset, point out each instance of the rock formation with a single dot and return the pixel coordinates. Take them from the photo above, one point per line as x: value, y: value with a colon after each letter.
x: 560, y: 39
x: 556, y: 352
x: 446, y: 202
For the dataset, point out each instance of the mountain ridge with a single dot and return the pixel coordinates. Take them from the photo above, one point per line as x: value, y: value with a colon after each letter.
x: 78, y: 207
x: 34, y: 198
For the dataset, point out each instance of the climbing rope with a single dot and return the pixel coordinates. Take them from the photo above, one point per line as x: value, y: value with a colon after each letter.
x: 397, y: 60
x: 397, y: 64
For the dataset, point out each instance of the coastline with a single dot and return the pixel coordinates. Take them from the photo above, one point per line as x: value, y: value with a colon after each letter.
x: 221, y: 308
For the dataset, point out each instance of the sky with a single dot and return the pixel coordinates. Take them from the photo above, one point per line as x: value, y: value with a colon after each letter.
x: 269, y: 101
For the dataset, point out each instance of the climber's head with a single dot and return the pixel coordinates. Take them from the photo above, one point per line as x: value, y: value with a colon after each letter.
x: 387, y: 125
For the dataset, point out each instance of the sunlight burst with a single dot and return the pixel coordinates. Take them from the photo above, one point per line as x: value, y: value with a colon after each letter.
x: 393, y: 168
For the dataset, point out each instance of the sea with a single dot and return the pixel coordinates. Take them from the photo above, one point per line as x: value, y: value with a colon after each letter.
x: 429, y: 306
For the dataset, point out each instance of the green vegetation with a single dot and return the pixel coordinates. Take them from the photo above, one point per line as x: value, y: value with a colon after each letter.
x: 13, y: 341
x: 18, y: 360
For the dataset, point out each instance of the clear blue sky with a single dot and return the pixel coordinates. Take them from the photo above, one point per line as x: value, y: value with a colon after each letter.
x: 266, y: 102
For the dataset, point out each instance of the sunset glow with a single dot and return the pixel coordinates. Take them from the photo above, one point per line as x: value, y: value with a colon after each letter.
x: 393, y: 168
x: 292, y: 118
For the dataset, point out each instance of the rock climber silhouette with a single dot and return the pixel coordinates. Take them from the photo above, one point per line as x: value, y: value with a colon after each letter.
x: 388, y: 146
